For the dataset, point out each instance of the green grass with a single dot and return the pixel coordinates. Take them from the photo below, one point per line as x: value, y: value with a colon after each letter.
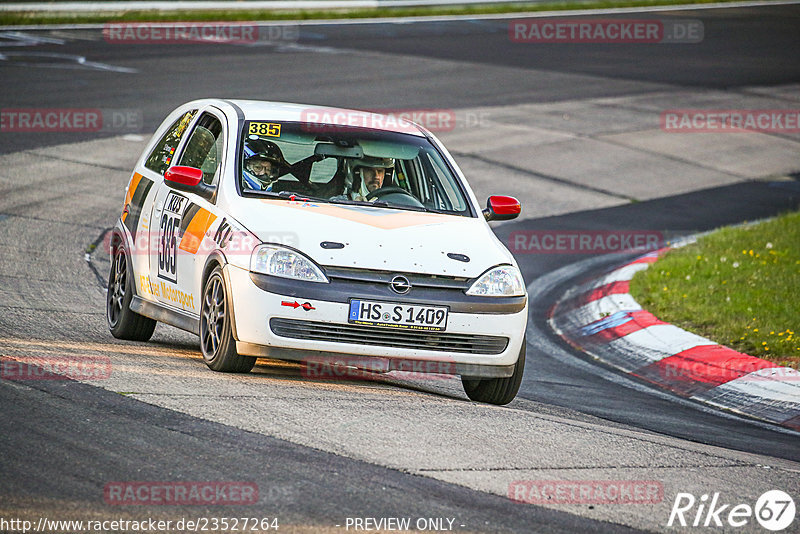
x: 21, y: 17
x: 738, y: 286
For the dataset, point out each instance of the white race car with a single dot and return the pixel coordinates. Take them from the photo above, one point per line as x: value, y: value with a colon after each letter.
x: 315, y: 234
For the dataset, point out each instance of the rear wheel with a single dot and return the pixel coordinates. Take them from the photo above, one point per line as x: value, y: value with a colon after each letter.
x: 216, y: 334
x: 122, y: 321
x: 496, y: 390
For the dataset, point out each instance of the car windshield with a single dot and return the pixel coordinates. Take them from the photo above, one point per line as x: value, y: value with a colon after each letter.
x: 347, y: 165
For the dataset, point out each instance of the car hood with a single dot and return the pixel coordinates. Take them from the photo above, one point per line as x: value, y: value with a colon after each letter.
x: 378, y: 238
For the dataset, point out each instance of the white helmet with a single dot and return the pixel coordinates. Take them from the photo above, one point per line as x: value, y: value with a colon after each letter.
x: 355, y: 173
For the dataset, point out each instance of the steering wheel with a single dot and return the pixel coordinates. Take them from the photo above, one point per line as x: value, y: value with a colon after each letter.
x: 394, y: 190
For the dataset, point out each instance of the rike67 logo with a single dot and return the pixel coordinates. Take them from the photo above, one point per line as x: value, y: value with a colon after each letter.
x: 774, y: 510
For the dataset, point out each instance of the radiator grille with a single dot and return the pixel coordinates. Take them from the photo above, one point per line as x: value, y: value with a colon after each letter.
x: 388, y: 337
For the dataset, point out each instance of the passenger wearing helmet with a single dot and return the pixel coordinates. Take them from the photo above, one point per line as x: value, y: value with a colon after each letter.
x: 263, y: 164
x: 369, y: 174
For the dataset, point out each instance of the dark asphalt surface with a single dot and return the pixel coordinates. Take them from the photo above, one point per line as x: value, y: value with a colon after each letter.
x: 480, y: 67
x: 98, y: 436
x: 550, y: 383
x: 747, y: 46
x: 64, y: 441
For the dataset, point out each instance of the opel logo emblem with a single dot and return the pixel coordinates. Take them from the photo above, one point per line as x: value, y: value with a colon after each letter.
x: 400, y: 285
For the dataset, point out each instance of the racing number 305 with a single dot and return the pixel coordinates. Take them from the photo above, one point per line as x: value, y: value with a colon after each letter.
x: 168, y: 238
x: 166, y: 250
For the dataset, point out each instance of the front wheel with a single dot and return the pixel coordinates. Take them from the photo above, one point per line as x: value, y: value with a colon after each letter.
x: 122, y: 321
x: 496, y: 390
x: 216, y: 333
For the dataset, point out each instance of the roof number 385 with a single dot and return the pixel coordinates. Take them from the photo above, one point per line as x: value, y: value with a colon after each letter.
x: 265, y: 128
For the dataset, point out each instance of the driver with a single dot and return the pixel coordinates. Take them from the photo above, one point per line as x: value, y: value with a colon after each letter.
x: 369, y: 174
x: 263, y: 164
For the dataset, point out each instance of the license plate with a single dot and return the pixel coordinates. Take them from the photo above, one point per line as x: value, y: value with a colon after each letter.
x: 405, y: 316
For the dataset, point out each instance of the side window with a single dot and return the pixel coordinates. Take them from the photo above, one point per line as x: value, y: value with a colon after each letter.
x: 204, y: 148
x: 450, y: 189
x: 160, y: 158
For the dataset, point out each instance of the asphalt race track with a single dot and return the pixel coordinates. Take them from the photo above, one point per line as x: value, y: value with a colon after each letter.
x: 570, y: 129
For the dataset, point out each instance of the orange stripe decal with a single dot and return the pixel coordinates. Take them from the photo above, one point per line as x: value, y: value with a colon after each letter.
x: 197, y: 228
x: 386, y: 219
x: 132, y: 185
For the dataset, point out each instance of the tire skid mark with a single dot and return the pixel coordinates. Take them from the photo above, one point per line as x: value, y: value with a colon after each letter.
x: 101, y: 281
x: 148, y: 350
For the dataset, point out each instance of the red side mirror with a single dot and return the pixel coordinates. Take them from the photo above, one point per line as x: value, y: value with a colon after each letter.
x: 500, y: 208
x: 188, y: 176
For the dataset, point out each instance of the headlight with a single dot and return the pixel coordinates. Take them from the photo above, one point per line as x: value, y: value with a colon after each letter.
x: 503, y: 281
x: 286, y: 263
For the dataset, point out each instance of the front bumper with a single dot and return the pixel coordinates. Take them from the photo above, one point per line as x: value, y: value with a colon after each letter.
x: 475, y: 343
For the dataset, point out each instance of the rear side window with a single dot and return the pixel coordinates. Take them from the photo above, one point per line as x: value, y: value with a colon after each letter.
x: 160, y: 158
x: 204, y: 148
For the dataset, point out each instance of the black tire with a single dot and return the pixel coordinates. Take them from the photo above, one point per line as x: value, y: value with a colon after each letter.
x: 216, y: 334
x: 122, y: 321
x: 496, y: 390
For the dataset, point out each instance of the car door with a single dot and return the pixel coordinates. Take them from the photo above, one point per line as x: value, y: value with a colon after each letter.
x: 142, y: 189
x: 181, y: 220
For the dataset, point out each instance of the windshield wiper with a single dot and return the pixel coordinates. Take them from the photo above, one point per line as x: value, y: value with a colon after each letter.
x: 288, y: 195
x: 350, y: 202
x: 291, y: 195
x: 383, y: 204
x: 434, y: 210
x: 426, y: 210
x: 366, y: 203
